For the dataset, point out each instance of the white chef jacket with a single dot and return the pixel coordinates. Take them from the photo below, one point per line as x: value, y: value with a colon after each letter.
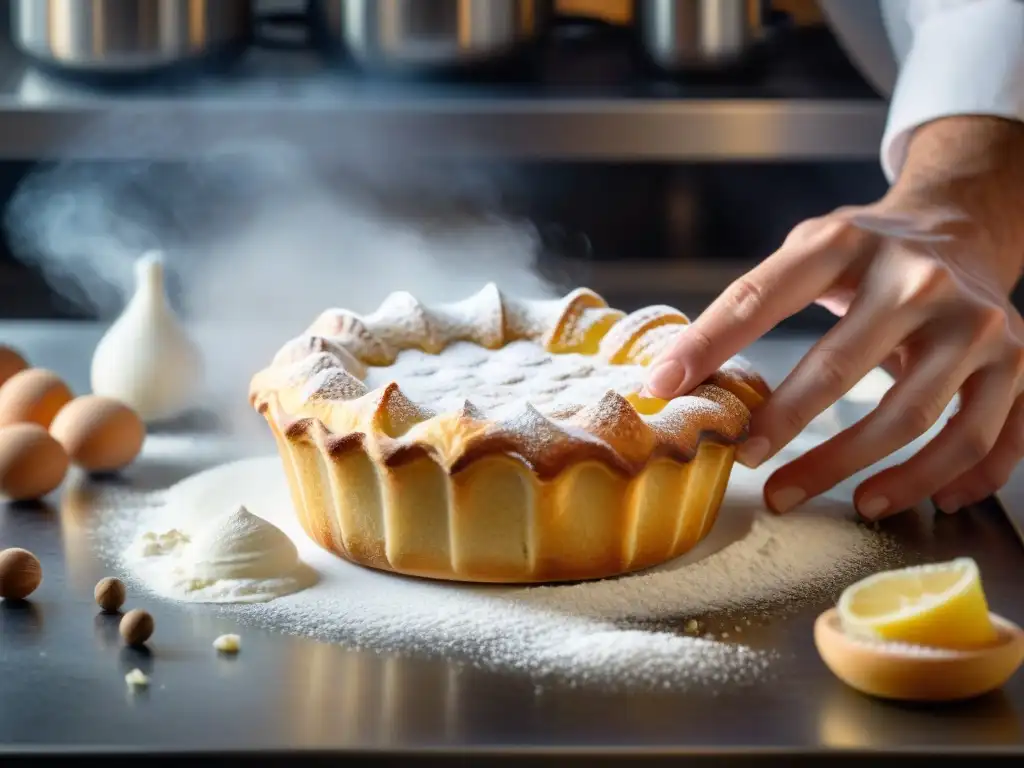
x: 943, y: 58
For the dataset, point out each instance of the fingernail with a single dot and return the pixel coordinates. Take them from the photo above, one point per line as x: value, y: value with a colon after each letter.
x: 872, y: 509
x: 665, y: 378
x: 785, y: 499
x: 951, y: 505
x: 753, y: 451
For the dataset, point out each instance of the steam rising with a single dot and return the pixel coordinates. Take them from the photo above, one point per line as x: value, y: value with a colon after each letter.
x: 259, y: 239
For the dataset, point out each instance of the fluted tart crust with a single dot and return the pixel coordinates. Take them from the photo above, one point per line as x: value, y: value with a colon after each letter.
x: 498, y: 439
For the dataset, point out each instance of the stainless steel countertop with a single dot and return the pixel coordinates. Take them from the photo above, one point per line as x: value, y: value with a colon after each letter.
x: 1012, y: 499
x: 63, y: 693
x: 592, y: 105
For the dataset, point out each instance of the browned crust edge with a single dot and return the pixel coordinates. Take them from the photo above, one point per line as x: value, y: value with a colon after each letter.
x: 335, y: 445
x: 747, y: 389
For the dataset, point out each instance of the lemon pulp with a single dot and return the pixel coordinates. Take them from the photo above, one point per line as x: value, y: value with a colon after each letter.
x: 941, y: 605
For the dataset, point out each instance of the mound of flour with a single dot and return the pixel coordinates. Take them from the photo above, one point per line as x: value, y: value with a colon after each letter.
x: 752, y: 562
x: 233, y: 557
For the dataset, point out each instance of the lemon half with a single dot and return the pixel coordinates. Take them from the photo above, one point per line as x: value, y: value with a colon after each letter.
x: 941, y: 605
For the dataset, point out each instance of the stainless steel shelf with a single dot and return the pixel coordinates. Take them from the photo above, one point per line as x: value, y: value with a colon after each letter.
x: 291, y: 97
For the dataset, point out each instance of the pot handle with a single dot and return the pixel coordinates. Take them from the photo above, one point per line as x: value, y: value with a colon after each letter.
x: 269, y: 26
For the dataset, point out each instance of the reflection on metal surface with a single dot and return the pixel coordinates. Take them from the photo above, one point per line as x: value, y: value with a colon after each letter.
x: 850, y: 720
x: 77, y: 515
x: 105, y: 630
x: 330, y: 114
x: 394, y: 700
x: 679, y: 35
x: 142, y: 658
x: 413, y: 35
x: 511, y: 129
x: 42, y: 512
x: 21, y: 622
x: 112, y: 35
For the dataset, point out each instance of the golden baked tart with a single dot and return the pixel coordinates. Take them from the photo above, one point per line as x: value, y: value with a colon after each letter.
x: 500, y: 440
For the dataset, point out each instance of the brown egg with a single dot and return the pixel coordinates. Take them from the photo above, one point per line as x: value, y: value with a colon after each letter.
x: 33, y: 395
x: 99, y: 434
x: 31, y: 462
x: 10, y: 363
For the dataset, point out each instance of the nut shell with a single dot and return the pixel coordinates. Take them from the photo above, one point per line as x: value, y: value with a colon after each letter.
x: 98, y: 433
x: 34, y: 395
x: 20, y: 574
x: 136, y: 627
x: 32, y: 463
x: 110, y: 594
x: 11, y: 362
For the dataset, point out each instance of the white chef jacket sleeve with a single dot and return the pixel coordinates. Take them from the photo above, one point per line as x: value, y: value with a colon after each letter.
x: 967, y: 58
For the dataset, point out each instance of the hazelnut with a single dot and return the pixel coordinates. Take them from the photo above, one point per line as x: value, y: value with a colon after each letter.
x: 110, y: 594
x: 136, y: 627
x: 20, y: 574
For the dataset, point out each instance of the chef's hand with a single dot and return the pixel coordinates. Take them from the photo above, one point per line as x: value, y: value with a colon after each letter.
x: 920, y: 280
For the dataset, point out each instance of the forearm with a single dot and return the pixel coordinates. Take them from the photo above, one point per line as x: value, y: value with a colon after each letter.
x: 967, y: 58
x: 973, y: 167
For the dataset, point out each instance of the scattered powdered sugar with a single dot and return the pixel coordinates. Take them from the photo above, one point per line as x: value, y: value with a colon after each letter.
x: 776, y: 560
x: 889, y: 648
x: 587, y: 632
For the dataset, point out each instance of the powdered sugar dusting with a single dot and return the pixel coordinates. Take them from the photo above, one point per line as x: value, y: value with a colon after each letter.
x: 503, y: 379
x: 509, y: 365
x: 765, y: 566
x: 751, y: 562
x: 479, y: 348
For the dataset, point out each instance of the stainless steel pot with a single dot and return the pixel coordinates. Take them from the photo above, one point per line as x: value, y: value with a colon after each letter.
x: 411, y: 35
x: 129, y: 36
x: 686, y: 35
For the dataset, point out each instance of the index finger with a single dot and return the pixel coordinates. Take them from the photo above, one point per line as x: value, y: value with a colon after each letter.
x: 779, y: 287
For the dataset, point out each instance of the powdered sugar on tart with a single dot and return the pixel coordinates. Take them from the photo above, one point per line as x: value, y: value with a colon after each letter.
x: 550, y: 381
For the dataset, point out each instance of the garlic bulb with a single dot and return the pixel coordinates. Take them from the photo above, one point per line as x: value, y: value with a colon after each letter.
x: 145, y: 359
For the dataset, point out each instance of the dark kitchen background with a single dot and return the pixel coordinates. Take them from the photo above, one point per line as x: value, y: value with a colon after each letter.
x: 673, y: 230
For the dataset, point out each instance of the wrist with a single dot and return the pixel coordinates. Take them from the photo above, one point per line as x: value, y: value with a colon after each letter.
x: 970, y: 168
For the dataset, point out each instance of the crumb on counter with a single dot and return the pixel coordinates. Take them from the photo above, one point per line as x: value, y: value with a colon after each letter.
x: 136, y: 679
x: 228, y: 643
